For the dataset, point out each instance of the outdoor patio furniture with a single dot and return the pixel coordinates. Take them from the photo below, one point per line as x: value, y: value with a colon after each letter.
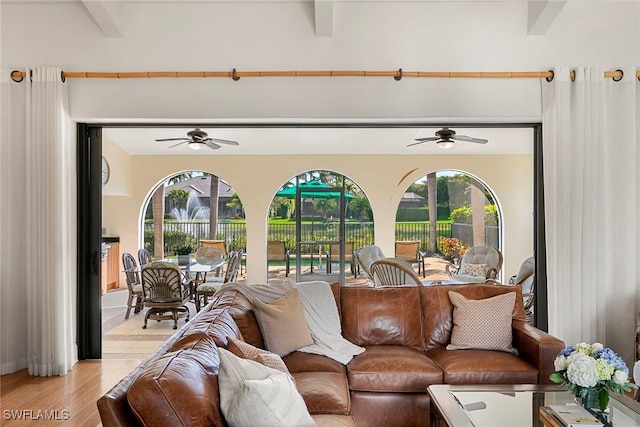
x: 209, y: 256
x: 393, y: 272
x: 333, y: 255
x: 220, y: 244
x: 133, y: 283
x: 409, y: 251
x: 165, y: 292
x: 366, y: 255
x: 144, y: 257
x: 208, y: 288
x: 478, y: 264
x: 526, y: 277
x: 277, y: 251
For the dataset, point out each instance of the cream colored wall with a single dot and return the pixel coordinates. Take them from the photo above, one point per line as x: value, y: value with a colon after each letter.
x: 257, y: 178
x: 120, y: 164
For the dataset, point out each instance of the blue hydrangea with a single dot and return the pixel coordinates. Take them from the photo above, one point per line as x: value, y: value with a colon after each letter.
x: 612, y: 358
x: 567, y: 351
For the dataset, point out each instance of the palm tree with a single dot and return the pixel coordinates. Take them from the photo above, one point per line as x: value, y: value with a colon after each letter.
x: 433, y: 212
x: 213, y: 206
x: 477, y: 209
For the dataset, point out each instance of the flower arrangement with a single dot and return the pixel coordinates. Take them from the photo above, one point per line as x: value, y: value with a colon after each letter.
x: 452, y: 248
x: 591, y: 371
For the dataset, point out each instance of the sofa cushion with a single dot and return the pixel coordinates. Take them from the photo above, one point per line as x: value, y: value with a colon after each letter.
x: 282, y: 323
x: 298, y: 361
x: 483, y: 367
x: 169, y: 387
x: 476, y: 270
x: 253, y: 394
x: 331, y: 420
x: 438, y: 309
x: 324, y: 392
x: 381, y: 316
x: 483, y: 324
x: 392, y: 368
x: 247, y: 351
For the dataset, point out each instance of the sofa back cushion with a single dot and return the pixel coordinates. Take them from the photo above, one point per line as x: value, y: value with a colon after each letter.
x: 381, y: 316
x: 216, y: 323
x: 438, y: 310
x: 170, y: 387
x: 241, y: 310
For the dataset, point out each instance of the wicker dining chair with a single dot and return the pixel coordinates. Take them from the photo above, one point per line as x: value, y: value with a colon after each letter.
x: 393, y: 272
x: 144, y: 257
x: 211, y: 286
x: 165, y: 291
x: 134, y: 286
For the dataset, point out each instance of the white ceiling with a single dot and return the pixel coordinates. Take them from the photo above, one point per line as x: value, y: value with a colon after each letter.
x: 322, y: 140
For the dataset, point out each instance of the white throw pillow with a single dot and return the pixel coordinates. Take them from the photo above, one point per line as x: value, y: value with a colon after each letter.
x: 252, y: 394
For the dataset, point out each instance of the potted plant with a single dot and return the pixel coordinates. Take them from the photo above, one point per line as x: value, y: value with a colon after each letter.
x: 184, y: 254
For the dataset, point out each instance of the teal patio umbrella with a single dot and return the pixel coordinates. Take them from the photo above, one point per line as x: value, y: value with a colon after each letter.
x: 290, y: 192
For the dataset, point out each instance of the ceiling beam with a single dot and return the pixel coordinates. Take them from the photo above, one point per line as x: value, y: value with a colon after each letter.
x: 108, y: 15
x: 541, y: 14
x: 324, y: 18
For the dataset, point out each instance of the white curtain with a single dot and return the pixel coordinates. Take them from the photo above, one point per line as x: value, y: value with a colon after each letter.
x: 51, y: 226
x: 591, y: 198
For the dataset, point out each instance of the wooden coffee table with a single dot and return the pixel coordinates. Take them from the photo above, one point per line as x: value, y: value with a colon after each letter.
x: 510, y: 405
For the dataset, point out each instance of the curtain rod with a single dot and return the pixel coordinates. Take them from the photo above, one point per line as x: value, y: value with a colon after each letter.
x: 616, y: 75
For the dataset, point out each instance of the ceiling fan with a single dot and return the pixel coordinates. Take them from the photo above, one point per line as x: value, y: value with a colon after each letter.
x: 446, y: 138
x: 198, y: 139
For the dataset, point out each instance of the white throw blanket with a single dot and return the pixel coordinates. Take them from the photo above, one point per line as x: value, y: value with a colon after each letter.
x: 320, y: 313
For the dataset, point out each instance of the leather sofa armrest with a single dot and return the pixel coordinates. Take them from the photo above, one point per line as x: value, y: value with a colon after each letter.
x: 536, y: 347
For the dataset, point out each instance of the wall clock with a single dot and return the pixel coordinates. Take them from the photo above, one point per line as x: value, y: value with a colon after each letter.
x: 106, y: 171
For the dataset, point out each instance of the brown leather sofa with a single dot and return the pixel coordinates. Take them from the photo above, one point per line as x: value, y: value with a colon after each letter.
x: 404, y: 330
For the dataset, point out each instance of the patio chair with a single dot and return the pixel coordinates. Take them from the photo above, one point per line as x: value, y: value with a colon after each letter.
x: 165, y: 290
x: 144, y: 257
x: 277, y: 251
x: 366, y: 255
x: 526, y: 278
x: 333, y: 255
x: 210, y: 287
x: 133, y: 283
x: 220, y: 244
x: 208, y: 255
x: 393, y: 272
x: 478, y: 264
x: 409, y: 251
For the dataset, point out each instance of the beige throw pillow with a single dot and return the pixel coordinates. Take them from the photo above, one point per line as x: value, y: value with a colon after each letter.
x: 254, y: 395
x: 476, y: 270
x: 247, y: 351
x: 282, y: 324
x: 483, y: 324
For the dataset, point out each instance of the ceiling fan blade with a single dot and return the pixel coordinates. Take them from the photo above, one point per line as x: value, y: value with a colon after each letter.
x: 179, y: 143
x: 431, y: 138
x: 422, y: 141
x: 224, y: 141
x: 211, y: 144
x: 469, y: 139
x: 172, y: 139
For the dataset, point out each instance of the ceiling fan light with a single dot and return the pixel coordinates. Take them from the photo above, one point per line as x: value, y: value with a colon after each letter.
x: 196, y: 145
x: 446, y: 144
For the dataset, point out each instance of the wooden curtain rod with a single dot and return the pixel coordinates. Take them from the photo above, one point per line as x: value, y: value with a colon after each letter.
x: 617, y: 75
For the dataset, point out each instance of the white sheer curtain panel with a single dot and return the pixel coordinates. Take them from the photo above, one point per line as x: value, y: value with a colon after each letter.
x: 51, y: 226
x: 591, y: 198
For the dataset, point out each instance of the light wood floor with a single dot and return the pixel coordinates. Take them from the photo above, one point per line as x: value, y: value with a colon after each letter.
x: 72, y: 396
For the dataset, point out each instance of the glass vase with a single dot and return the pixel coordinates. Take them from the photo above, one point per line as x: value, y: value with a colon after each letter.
x: 592, y: 403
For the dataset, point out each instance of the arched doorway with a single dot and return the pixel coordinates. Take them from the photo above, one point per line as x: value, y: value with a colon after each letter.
x: 189, y: 207
x: 318, y: 218
x: 440, y: 211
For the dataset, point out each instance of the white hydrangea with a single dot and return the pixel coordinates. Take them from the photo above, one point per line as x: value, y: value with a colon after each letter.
x: 596, y: 346
x: 581, y: 370
x: 560, y: 364
x: 620, y: 377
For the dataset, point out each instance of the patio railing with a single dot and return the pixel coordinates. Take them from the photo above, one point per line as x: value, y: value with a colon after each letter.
x: 360, y: 233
